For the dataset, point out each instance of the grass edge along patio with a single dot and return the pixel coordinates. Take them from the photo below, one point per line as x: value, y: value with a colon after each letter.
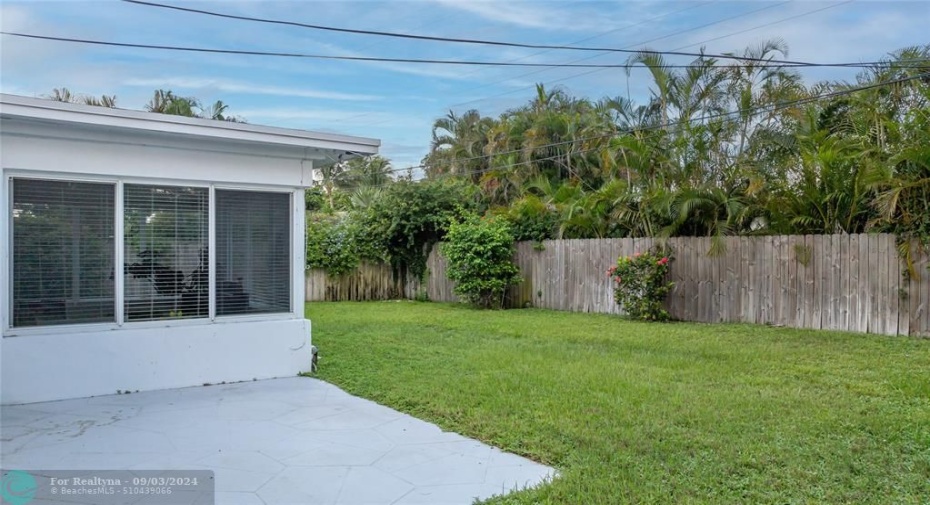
x: 650, y: 413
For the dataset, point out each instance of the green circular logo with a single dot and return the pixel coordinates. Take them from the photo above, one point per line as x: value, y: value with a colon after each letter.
x: 19, y: 488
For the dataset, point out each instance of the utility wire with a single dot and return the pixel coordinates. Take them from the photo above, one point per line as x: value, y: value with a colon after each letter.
x: 455, y: 40
x: 626, y: 27
x: 673, y: 34
x: 750, y: 112
x: 589, y: 72
x: 577, y: 60
x: 389, y: 60
x: 633, y: 25
x: 764, y: 25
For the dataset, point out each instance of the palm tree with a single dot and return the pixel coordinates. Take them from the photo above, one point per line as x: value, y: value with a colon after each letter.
x: 159, y: 101
x: 108, y: 101
x: 166, y: 102
x: 371, y: 171
x: 715, y: 151
x: 365, y: 196
x: 216, y: 111
x: 591, y: 215
x: 65, y: 95
x: 61, y: 95
x: 458, y: 145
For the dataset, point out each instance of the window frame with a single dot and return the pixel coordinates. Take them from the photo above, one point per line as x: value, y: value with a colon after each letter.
x: 122, y: 237
x: 247, y: 317
x: 9, y: 174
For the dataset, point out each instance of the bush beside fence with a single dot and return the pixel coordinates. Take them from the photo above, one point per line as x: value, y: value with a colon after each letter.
x: 841, y: 282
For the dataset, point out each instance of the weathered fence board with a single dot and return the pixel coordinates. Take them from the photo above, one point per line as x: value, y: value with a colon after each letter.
x: 853, y: 283
x: 865, y: 298
x: 843, y: 282
x: 876, y: 325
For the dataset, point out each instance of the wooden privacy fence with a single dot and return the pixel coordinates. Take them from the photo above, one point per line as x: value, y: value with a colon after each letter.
x: 839, y: 282
x: 372, y: 281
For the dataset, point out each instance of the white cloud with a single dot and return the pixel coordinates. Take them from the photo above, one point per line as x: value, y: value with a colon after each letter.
x: 855, y: 32
x: 18, y: 55
x: 12, y: 89
x: 419, y: 69
x: 246, y: 88
x: 529, y: 15
x: 404, y: 136
x: 327, y: 117
x: 861, y: 31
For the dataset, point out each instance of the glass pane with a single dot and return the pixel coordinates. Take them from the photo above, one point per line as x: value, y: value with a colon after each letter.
x: 253, y: 256
x: 62, y: 252
x: 167, y: 265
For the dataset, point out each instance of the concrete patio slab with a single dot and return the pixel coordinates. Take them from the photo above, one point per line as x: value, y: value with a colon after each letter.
x: 280, y: 441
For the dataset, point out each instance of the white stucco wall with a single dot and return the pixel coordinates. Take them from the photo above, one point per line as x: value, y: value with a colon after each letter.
x: 86, y: 151
x: 43, y: 367
x: 51, y: 363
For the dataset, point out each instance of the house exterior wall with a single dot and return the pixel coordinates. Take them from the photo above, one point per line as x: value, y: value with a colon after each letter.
x: 58, y: 362
x: 77, y: 151
x: 54, y: 366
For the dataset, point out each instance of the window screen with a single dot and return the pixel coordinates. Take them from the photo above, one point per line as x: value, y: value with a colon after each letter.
x: 167, y: 265
x: 253, y: 252
x: 62, y: 252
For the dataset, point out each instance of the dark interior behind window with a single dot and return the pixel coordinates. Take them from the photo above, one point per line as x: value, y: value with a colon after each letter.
x: 253, y: 242
x: 167, y: 262
x: 62, y: 252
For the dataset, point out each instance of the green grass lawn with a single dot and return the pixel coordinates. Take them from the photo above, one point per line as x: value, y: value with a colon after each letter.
x: 650, y: 413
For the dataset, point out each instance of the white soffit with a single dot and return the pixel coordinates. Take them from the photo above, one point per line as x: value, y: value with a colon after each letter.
x: 37, y: 109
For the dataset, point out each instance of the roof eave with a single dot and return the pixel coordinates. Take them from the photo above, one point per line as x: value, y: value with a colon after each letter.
x: 50, y: 110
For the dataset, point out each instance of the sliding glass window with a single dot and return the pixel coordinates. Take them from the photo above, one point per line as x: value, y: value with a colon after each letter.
x: 253, y: 252
x: 166, y: 273
x: 62, y: 252
x: 63, y: 247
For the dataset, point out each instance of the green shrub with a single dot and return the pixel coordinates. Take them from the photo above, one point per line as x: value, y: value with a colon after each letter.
x: 336, y: 243
x: 531, y: 219
x: 480, y: 255
x: 314, y: 199
x: 641, y: 284
x: 409, y: 218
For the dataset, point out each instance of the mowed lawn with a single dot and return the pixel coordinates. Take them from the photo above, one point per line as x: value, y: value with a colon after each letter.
x: 650, y: 413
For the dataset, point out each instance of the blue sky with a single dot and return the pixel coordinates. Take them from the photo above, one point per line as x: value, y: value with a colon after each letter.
x: 398, y: 102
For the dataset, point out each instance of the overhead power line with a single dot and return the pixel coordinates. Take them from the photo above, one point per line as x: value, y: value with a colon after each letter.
x: 468, y: 41
x: 590, y: 37
x: 590, y: 72
x: 596, y: 55
x: 738, y: 113
x: 766, y: 25
x: 245, y: 52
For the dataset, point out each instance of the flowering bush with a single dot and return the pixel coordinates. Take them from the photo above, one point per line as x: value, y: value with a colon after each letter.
x: 640, y: 285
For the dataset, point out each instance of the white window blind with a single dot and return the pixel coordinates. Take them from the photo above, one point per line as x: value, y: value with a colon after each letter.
x: 167, y: 265
x: 62, y: 252
x: 253, y: 256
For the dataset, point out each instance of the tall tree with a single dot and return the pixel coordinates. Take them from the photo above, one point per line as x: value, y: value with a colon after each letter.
x: 368, y: 171
x: 65, y: 95
x: 166, y: 102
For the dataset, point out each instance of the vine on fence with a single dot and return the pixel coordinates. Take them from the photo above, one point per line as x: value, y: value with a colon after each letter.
x: 337, y: 244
